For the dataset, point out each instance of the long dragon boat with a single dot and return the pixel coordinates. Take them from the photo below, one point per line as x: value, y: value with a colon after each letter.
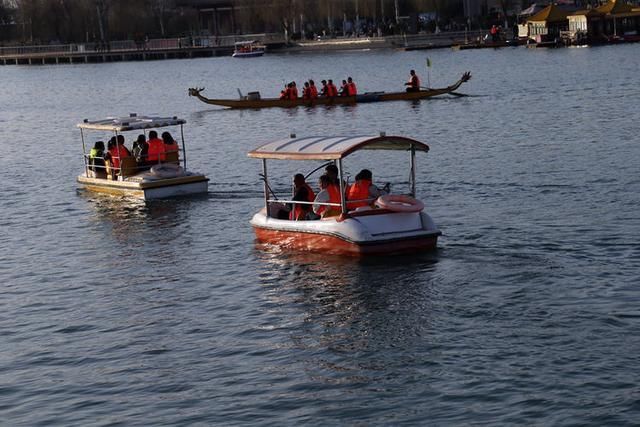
x: 253, y: 100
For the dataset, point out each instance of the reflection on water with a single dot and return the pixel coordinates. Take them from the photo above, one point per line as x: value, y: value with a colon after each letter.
x: 362, y: 304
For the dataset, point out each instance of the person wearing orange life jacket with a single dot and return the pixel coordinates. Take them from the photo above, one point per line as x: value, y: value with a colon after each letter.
x: 332, y: 90
x: 306, y: 92
x: 344, y: 90
x: 324, y: 89
x: 351, y: 87
x: 363, y: 192
x: 156, y: 150
x: 293, y: 91
x: 313, y: 90
x: 413, y: 83
x: 170, y: 144
x: 329, y: 193
x: 303, y: 193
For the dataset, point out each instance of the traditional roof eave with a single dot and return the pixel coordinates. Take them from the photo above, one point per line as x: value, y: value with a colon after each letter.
x: 549, y: 14
x: 333, y: 147
x: 614, y: 8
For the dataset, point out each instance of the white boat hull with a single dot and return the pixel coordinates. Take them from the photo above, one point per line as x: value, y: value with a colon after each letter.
x: 374, y: 232
x: 142, y: 186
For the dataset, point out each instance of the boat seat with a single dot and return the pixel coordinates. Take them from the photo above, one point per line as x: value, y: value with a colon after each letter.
x: 128, y: 167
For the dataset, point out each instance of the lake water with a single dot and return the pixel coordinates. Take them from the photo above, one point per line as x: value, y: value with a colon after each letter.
x: 114, y: 312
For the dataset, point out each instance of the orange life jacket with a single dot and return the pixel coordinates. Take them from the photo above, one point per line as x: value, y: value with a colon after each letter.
x: 334, y: 197
x: 359, y: 190
x: 351, y: 89
x: 332, y: 90
x: 156, y: 150
x: 415, y: 81
x: 306, y: 93
x: 313, y: 92
x: 117, y: 154
x: 293, y: 93
x: 171, y: 148
x: 300, y: 211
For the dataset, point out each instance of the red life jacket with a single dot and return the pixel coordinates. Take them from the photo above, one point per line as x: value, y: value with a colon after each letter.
x: 306, y: 93
x: 351, y: 89
x: 171, y: 148
x: 332, y: 90
x: 334, y: 197
x: 293, y: 93
x: 359, y: 190
x: 156, y: 150
x: 117, y: 154
x: 415, y: 81
x: 313, y: 92
x: 300, y: 211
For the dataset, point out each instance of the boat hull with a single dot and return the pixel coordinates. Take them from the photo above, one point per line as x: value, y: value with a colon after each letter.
x: 340, y: 100
x: 159, y: 189
x: 383, y: 233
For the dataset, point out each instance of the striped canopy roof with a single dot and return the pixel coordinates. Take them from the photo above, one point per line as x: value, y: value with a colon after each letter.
x: 332, y: 147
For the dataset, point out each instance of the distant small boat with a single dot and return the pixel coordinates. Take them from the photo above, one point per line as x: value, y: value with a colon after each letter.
x: 253, y: 99
x: 248, y: 49
x: 163, y: 179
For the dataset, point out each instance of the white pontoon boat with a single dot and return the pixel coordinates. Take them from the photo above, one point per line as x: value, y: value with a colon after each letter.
x: 159, y: 179
x: 248, y: 49
x: 393, y: 223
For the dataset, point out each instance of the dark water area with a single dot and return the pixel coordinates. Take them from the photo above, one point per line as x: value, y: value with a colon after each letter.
x: 117, y: 312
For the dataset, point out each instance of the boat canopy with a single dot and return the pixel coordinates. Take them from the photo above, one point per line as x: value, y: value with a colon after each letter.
x: 133, y: 122
x: 332, y: 147
x: 244, y: 43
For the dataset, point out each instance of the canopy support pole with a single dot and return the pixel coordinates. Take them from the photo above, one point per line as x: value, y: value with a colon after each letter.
x: 412, y: 171
x: 184, y: 149
x: 266, y: 186
x: 343, y: 201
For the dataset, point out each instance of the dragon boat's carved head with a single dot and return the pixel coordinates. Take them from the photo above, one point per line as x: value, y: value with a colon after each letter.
x: 195, y: 91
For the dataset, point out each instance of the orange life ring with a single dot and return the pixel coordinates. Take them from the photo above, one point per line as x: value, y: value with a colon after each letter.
x: 399, y: 203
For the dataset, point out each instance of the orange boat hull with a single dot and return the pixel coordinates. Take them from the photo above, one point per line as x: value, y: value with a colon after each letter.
x: 329, y: 244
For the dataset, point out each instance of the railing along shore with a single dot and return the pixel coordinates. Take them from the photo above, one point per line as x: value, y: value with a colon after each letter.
x: 188, y: 47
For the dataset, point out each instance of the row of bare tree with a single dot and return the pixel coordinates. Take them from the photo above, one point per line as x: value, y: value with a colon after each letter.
x: 70, y: 21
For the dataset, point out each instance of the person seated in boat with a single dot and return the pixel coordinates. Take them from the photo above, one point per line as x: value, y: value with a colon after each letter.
x: 332, y: 171
x: 332, y: 90
x: 344, y: 90
x: 302, y: 193
x: 170, y: 146
x: 329, y: 193
x: 121, y: 147
x: 96, y: 158
x: 363, y: 192
x: 284, y: 93
x: 156, y: 148
x: 116, y: 151
x: 351, y: 87
x: 140, y: 150
x: 313, y: 90
x: 324, y: 89
x: 414, y: 82
x: 306, y: 92
x: 293, y: 91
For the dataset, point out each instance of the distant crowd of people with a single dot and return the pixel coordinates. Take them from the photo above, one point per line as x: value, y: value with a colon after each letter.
x: 146, y: 152
x: 330, y: 90
x: 326, y: 202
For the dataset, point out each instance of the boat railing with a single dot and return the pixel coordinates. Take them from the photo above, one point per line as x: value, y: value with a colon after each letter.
x: 296, y: 202
x: 126, y: 165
